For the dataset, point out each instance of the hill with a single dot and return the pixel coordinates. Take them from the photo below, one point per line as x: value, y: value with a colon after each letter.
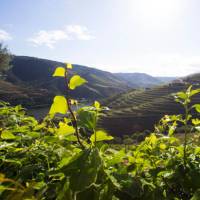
x: 36, y: 74
x: 166, y: 79
x: 22, y: 94
x: 137, y: 80
x: 139, y: 110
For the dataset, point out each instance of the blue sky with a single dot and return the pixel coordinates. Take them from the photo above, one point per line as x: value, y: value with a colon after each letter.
x: 158, y: 37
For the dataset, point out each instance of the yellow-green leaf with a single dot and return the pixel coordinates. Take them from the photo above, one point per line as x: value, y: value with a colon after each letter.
x: 162, y: 146
x: 197, y: 107
x: 76, y: 81
x: 97, y: 105
x: 153, y: 139
x: 59, y: 71
x: 65, y: 129
x: 196, y: 121
x: 59, y: 105
x: 100, y: 136
x: 69, y: 66
x: 7, y: 135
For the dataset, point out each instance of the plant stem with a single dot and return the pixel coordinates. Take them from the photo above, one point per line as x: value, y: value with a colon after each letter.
x: 185, y: 136
x: 72, y: 113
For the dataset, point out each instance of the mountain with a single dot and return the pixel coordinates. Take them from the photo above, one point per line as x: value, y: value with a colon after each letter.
x: 139, y: 80
x: 166, y: 79
x: 139, y: 110
x: 32, y: 77
x: 34, y: 74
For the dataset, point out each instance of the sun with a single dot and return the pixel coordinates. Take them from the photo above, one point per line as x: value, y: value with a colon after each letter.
x: 156, y: 13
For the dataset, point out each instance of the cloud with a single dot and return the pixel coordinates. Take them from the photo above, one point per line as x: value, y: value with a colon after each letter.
x: 4, y: 36
x: 51, y: 37
x: 79, y: 32
x: 48, y: 38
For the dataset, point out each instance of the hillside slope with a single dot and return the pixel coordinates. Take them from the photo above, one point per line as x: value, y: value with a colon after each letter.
x: 36, y: 73
x: 138, y: 110
x: 25, y: 95
x: 137, y: 80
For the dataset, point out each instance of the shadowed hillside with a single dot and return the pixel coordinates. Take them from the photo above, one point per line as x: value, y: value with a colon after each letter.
x: 36, y: 74
x: 25, y: 95
x: 138, y: 110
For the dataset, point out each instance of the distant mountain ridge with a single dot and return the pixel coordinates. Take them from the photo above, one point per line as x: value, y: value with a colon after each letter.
x: 136, y: 80
x: 166, y: 79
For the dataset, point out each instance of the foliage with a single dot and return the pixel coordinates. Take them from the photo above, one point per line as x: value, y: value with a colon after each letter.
x: 5, y: 58
x: 66, y: 157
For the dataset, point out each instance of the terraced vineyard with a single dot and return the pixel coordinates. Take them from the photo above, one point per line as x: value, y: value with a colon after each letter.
x: 23, y: 94
x: 139, y: 110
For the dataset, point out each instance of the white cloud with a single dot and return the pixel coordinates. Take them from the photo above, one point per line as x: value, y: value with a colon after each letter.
x: 79, y: 32
x: 70, y: 32
x: 48, y: 38
x: 4, y: 36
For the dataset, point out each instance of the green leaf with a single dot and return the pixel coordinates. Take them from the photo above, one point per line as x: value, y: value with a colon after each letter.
x: 194, y: 92
x: 152, y: 139
x: 100, y: 136
x: 181, y: 95
x: 39, y: 185
x: 59, y: 71
x: 88, y: 166
x: 7, y: 135
x: 76, y: 81
x: 196, y: 121
x: 196, y: 195
x: 65, y: 129
x: 117, y: 157
x: 71, y: 138
x: 197, y: 150
x: 172, y: 129
x: 59, y: 106
x: 97, y: 105
x: 197, y: 107
x: 87, y: 118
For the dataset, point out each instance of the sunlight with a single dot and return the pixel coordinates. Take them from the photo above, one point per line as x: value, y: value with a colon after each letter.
x: 157, y: 13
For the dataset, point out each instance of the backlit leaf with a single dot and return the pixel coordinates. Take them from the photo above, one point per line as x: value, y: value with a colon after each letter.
x: 100, y: 136
x: 96, y: 104
x: 181, y: 95
x: 162, y: 146
x: 196, y: 121
x: 7, y: 135
x: 194, y: 92
x: 59, y: 105
x: 65, y: 129
x: 76, y: 81
x: 69, y: 66
x: 197, y: 107
x: 59, y: 71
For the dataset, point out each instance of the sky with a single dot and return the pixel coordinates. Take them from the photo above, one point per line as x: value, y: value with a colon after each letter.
x: 158, y: 37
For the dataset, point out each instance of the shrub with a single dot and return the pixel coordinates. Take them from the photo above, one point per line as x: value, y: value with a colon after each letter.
x: 65, y: 157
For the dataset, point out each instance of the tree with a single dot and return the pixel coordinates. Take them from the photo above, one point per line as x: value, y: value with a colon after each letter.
x: 5, y: 59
